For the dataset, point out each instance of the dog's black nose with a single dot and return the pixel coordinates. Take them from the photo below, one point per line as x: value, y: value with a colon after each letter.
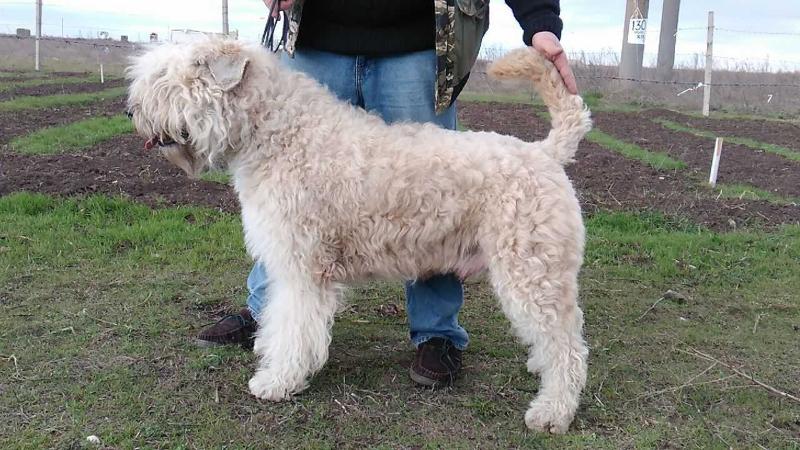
x: 129, y: 114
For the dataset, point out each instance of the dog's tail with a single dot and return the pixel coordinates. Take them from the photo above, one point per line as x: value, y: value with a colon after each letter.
x: 570, y: 119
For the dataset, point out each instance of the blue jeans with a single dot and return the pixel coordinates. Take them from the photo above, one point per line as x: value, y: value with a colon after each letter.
x: 398, y: 88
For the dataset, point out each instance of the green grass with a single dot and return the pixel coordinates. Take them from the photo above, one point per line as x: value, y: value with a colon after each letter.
x: 100, y: 299
x: 13, y: 75
x: 738, y: 115
x: 500, y: 97
x: 47, y: 81
x: 657, y: 160
x: 748, y: 192
x: 26, y: 74
x: 50, y: 101
x: 747, y: 142
x: 594, y: 100
x: 72, y: 137
x: 217, y: 176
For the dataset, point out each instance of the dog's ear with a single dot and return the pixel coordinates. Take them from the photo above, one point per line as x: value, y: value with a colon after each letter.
x: 228, y: 70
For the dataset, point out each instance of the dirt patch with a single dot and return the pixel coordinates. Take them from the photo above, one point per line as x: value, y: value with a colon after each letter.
x: 56, y: 89
x: 773, y: 132
x: 20, y: 123
x: 115, y: 167
x: 605, y: 180
x: 739, y: 164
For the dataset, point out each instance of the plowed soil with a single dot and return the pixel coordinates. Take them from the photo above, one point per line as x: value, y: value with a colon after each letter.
x: 785, y: 134
x: 116, y: 167
x: 605, y: 180
x: 739, y: 164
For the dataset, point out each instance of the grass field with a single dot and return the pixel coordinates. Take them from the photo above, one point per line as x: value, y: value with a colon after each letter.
x: 660, y: 161
x: 32, y: 102
x: 519, y: 98
x: 6, y: 86
x: 216, y: 176
x: 744, y: 191
x: 101, y: 297
x: 73, y: 137
x: 747, y: 142
x: 656, y: 160
x: 20, y: 74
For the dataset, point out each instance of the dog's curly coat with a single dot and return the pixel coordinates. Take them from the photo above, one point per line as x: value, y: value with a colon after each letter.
x: 331, y: 194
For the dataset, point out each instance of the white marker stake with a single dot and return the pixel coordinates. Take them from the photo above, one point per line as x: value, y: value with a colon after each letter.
x: 712, y: 179
x: 102, y: 80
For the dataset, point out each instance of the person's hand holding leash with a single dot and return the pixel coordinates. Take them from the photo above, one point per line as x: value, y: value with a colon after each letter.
x: 548, y: 45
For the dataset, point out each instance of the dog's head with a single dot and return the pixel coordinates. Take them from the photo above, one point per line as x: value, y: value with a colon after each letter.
x: 183, y: 100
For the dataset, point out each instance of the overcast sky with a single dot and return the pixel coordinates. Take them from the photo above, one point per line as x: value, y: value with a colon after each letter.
x: 593, y: 26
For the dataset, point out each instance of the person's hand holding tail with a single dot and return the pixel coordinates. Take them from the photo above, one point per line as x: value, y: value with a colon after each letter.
x: 548, y: 45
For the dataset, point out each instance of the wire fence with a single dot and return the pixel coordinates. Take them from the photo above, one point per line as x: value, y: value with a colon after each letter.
x: 691, y: 83
x: 86, y: 42
x: 761, y: 85
x: 756, y: 85
x: 733, y: 91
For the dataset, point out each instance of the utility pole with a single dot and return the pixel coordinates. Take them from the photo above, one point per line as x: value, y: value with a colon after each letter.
x: 225, y: 17
x: 631, y: 59
x: 709, y: 65
x: 668, y: 39
x: 38, y: 32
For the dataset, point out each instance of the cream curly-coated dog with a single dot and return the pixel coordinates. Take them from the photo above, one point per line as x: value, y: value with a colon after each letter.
x: 331, y: 194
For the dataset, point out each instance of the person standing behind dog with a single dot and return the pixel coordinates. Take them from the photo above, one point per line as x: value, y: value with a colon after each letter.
x: 406, y: 61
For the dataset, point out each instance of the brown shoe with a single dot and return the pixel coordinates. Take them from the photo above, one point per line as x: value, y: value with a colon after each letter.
x: 436, y: 364
x: 233, y: 329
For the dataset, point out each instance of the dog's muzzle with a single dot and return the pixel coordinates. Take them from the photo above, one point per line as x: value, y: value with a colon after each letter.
x: 158, y: 140
x: 165, y: 141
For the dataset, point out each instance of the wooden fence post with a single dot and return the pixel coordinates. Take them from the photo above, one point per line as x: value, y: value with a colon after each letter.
x: 709, y: 65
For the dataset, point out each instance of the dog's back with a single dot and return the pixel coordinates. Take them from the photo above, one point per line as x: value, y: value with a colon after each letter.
x: 571, y: 119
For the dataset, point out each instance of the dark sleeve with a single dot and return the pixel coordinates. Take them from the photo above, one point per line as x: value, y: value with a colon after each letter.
x: 535, y: 16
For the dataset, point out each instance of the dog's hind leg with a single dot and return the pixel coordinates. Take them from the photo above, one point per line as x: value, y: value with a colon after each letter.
x: 293, y: 336
x: 539, y: 296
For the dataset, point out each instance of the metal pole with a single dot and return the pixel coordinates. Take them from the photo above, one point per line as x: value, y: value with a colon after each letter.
x: 38, y: 32
x: 632, y: 56
x: 225, y: 17
x: 709, y: 64
x: 668, y: 39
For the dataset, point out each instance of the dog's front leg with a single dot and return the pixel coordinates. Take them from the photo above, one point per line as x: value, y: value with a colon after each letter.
x: 293, y: 336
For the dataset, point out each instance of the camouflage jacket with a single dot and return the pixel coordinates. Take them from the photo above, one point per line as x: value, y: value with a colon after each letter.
x: 460, y: 26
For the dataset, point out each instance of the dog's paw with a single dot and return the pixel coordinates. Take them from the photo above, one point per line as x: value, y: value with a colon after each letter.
x: 265, y: 386
x: 547, y: 418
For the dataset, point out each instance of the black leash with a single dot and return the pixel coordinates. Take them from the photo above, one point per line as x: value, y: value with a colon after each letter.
x: 268, y: 37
